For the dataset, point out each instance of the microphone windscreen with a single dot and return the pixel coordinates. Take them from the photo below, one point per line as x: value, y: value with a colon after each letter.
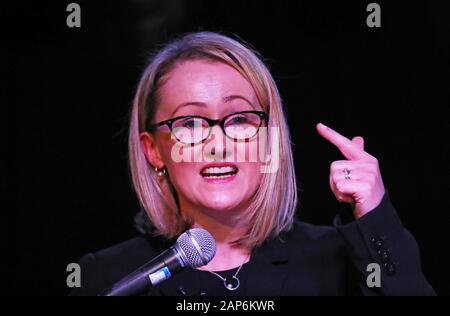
x: 198, y: 246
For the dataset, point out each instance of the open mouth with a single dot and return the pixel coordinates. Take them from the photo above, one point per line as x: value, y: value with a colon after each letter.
x: 219, y: 172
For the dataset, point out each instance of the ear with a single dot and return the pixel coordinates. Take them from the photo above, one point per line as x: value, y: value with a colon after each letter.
x: 151, y: 151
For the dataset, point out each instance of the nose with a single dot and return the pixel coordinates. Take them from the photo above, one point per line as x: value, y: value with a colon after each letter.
x: 215, y: 146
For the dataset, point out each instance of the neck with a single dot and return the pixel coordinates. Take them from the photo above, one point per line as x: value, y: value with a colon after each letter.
x: 225, y: 228
x: 227, y: 257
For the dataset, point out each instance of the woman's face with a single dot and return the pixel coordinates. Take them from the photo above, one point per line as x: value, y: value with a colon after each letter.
x: 220, y: 178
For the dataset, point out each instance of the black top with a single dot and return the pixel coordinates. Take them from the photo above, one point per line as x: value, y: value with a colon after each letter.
x: 308, y: 260
x: 199, y: 282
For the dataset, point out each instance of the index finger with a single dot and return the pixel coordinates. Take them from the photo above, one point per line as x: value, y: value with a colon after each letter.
x: 349, y: 149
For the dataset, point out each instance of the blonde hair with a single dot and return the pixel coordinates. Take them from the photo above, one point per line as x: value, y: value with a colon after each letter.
x: 273, y: 206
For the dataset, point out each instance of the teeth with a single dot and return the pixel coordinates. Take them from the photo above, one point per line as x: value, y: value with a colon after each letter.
x: 218, y: 177
x: 216, y: 170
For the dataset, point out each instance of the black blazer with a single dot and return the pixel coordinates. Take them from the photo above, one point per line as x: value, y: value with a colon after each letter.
x: 308, y: 260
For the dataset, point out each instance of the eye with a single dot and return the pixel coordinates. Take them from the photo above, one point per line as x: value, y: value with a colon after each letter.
x: 239, y: 119
x: 191, y: 123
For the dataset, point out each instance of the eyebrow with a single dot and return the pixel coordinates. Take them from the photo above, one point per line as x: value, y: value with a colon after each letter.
x: 226, y: 99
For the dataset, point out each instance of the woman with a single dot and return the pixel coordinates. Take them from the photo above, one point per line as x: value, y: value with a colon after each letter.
x: 205, y: 107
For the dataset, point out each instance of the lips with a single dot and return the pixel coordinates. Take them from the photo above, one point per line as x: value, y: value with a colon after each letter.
x: 219, y: 171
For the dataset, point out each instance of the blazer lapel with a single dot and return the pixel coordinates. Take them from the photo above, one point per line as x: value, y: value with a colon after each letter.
x: 268, y: 273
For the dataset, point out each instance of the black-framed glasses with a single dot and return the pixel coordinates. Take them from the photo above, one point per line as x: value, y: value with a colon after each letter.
x: 194, y: 129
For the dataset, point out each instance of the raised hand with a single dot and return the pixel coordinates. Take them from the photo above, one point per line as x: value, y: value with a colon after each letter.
x: 356, y: 180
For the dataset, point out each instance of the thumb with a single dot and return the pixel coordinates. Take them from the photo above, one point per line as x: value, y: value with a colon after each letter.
x: 359, y: 141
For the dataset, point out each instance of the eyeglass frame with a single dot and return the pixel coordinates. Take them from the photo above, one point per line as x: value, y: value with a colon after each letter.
x: 264, y: 116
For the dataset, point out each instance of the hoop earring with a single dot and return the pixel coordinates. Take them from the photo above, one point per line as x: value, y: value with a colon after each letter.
x: 160, y: 172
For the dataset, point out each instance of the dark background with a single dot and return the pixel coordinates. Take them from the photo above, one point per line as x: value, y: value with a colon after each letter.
x: 69, y: 91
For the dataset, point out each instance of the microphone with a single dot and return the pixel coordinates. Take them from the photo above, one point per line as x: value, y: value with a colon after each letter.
x: 194, y: 248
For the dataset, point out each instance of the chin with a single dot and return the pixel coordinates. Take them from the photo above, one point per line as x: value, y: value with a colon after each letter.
x: 222, y: 204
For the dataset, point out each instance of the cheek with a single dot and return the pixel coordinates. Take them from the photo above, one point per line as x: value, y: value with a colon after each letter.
x: 249, y: 160
x: 182, y: 166
x: 253, y: 174
x: 176, y: 165
x: 248, y: 152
